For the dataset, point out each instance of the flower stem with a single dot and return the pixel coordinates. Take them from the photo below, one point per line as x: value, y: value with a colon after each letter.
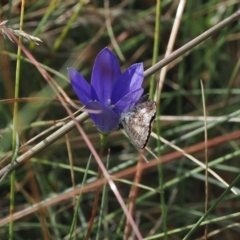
x: 103, y: 139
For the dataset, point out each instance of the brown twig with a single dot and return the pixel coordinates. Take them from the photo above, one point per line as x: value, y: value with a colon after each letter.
x: 96, y: 199
x: 133, y: 195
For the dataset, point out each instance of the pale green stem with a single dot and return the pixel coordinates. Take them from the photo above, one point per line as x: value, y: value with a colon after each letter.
x: 79, y: 201
x: 15, y: 123
x: 52, y: 6
x: 158, y: 129
x: 155, y: 47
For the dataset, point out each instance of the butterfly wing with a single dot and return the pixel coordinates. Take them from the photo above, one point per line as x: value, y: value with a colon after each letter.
x: 137, y: 122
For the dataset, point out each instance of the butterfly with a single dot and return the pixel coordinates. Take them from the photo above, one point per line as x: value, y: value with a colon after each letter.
x: 137, y: 121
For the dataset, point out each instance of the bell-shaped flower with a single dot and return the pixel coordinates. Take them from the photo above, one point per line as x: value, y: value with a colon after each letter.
x: 111, y: 92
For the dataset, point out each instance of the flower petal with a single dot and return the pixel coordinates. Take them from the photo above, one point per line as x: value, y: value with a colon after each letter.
x: 80, y: 86
x: 94, y: 94
x: 130, y: 80
x: 106, y: 72
x: 128, y: 101
x: 106, y: 121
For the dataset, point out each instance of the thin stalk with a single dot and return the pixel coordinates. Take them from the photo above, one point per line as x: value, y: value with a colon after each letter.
x: 52, y: 6
x: 70, y: 157
x: 134, y: 193
x: 15, y: 123
x: 97, y: 194
x: 157, y: 98
x: 161, y: 180
x: 155, y: 47
x: 232, y: 80
x: 170, y: 46
x: 79, y: 200
x: 68, y: 26
x: 206, y: 154
x: 158, y: 128
x: 111, y: 32
x: 103, y: 204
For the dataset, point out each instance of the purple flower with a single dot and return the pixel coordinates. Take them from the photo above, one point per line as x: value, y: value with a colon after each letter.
x: 110, y: 91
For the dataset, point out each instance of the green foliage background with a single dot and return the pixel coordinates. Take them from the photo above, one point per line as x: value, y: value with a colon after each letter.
x: 73, y: 33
